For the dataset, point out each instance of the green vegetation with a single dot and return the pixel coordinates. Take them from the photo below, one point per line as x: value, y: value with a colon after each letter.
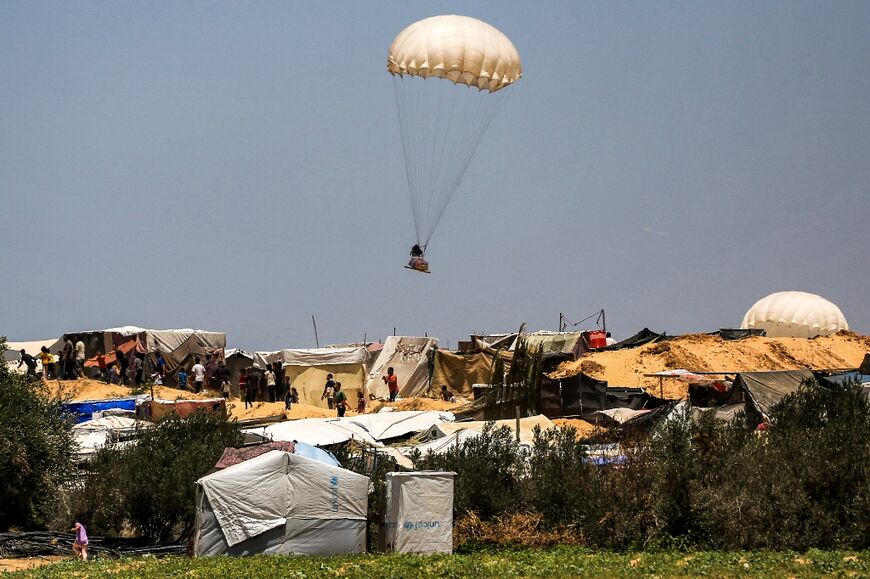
x: 149, y: 486
x: 35, y: 451
x: 700, y: 484
x: 563, y: 561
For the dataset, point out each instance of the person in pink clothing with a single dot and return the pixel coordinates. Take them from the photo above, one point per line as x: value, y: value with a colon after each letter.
x: 80, y: 545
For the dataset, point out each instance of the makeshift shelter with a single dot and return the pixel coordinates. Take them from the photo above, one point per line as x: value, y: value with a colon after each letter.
x: 461, y: 370
x: 386, y: 425
x: 157, y: 409
x: 409, y: 358
x: 237, y: 361
x: 315, y: 431
x: 527, y: 427
x: 307, y: 369
x: 281, y: 503
x: 232, y: 456
x: 795, y: 314
x: 85, y: 410
x: 568, y: 344
x: 645, y: 336
x: 418, y: 512
x: 761, y: 390
x: 92, y: 435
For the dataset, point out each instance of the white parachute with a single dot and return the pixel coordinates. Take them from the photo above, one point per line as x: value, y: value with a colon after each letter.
x: 794, y: 314
x: 449, y: 73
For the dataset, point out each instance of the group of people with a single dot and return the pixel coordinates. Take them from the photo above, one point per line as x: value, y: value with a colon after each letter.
x: 276, y: 384
x: 67, y: 364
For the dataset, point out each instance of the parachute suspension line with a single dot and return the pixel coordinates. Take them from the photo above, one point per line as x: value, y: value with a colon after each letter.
x: 442, y: 127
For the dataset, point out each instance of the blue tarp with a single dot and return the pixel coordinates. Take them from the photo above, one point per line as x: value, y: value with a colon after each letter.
x: 84, y: 409
x: 314, y: 453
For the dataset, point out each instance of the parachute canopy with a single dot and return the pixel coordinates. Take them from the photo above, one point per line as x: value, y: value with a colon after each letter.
x: 794, y: 314
x: 443, y: 122
x: 462, y: 49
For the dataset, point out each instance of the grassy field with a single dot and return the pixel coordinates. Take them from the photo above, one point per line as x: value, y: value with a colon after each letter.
x: 564, y: 561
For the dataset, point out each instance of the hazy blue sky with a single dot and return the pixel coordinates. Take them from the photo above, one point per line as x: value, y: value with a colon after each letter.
x: 237, y: 166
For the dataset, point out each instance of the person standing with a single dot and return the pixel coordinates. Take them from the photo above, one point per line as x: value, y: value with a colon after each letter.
x: 123, y: 363
x: 222, y: 377
x: 80, y: 358
x: 329, y: 392
x: 392, y: 382
x: 253, y: 379
x: 181, y: 376
x: 360, y: 402
x: 101, y: 364
x: 340, y: 400
x: 113, y: 377
x: 288, y: 393
x: 270, y: 383
x: 243, y: 386
x: 47, y: 363
x: 294, y: 395
x: 160, y: 365
x: 68, y: 359
x: 80, y: 545
x: 198, y: 372
x: 278, y: 369
x: 138, y: 370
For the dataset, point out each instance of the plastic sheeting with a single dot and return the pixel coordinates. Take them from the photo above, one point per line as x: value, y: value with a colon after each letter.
x: 315, y: 431
x: 460, y: 371
x: 85, y: 409
x: 386, y: 425
x: 281, y: 503
x: 409, y: 358
x: 418, y: 512
x: 527, y: 427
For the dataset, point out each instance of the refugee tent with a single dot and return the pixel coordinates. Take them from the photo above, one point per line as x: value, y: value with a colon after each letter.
x: 527, y: 427
x: 459, y: 371
x: 569, y: 344
x: 571, y: 396
x: 645, y: 336
x: 233, y: 456
x: 865, y: 364
x: 237, y: 360
x: 307, y: 369
x: 281, y: 503
x: 315, y: 431
x: 91, y: 435
x: 418, y: 512
x: 386, y: 425
x: 761, y: 390
x: 409, y: 358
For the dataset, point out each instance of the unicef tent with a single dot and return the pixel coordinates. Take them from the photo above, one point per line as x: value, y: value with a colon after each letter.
x: 281, y: 503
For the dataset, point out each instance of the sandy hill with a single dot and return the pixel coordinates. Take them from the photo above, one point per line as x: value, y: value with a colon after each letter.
x: 704, y: 353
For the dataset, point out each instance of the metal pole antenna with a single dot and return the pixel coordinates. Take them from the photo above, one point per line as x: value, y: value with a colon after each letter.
x: 314, y: 323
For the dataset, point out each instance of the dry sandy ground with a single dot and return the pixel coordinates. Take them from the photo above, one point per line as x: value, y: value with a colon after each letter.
x: 95, y: 390
x: 703, y: 353
x: 582, y: 427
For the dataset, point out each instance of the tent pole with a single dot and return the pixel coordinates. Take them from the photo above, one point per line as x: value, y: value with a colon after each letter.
x: 316, y: 340
x: 517, y: 408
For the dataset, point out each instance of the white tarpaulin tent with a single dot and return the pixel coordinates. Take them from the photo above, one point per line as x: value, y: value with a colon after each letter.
x: 91, y: 435
x: 386, y: 425
x: 527, y: 427
x: 307, y: 369
x: 281, y: 503
x: 409, y: 358
x: 315, y: 431
x: 418, y: 512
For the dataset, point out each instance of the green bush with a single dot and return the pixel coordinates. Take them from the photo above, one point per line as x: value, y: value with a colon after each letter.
x: 36, y: 450
x: 149, y: 486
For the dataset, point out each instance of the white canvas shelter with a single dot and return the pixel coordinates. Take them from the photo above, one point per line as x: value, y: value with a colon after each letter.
x: 281, y: 503
x: 409, y: 358
x: 308, y: 368
x: 418, y: 512
x: 169, y: 340
x: 527, y: 427
x: 92, y: 435
x: 386, y: 425
x: 315, y: 431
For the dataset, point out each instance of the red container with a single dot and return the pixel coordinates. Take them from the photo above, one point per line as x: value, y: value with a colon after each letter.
x: 595, y: 339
